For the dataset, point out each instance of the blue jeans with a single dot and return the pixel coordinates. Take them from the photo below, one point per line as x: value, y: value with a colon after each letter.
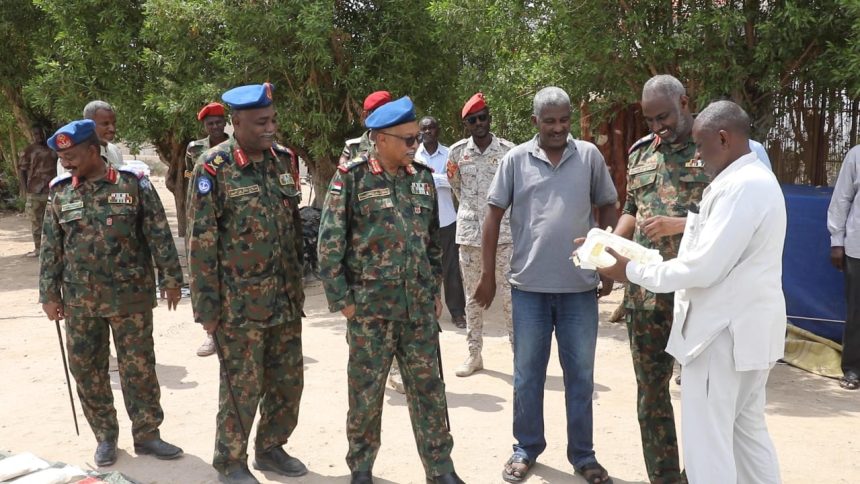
x: 573, y: 316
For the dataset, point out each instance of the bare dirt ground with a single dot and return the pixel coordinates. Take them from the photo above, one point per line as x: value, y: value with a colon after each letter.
x: 814, y: 424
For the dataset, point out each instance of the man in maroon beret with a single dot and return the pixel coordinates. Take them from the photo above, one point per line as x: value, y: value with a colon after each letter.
x: 356, y: 146
x: 472, y: 163
x: 214, y: 121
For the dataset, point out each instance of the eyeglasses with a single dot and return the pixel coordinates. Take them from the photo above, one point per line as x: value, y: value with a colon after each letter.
x: 409, y: 140
x: 478, y: 117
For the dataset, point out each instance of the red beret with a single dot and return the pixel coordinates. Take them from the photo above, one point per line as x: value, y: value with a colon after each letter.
x: 474, y: 104
x: 376, y: 99
x: 211, y: 109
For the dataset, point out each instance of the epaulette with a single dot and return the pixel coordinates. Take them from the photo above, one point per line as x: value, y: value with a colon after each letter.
x: 506, y: 143
x: 651, y: 137
x: 353, y: 141
x: 458, y: 143
x: 196, y: 143
x: 214, y: 159
x: 353, y: 163
x: 137, y: 173
x: 281, y: 148
x: 421, y: 164
x: 60, y: 178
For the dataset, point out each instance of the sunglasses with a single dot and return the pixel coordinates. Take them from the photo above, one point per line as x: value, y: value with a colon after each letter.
x: 475, y: 118
x: 409, y: 140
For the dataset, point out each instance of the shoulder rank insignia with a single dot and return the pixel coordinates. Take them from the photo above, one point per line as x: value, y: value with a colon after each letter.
x: 67, y: 176
x: 353, y: 163
x: 644, y: 141
x: 214, y: 160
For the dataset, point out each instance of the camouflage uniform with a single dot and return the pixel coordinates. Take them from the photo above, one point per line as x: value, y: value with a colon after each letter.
x: 36, y: 169
x: 245, y: 242
x: 379, y: 250
x: 662, y: 179
x: 98, y: 245
x: 470, y: 173
x: 354, y: 147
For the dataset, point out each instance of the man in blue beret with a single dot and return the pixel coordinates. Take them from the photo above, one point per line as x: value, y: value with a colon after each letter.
x: 104, y: 227
x: 381, y: 264
x: 245, y: 245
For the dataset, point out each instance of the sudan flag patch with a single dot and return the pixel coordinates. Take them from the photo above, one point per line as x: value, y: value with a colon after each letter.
x: 336, y: 188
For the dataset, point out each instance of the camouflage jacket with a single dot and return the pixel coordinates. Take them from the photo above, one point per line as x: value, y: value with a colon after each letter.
x: 354, y: 147
x: 99, y: 242
x: 662, y: 179
x: 470, y: 173
x: 379, y: 241
x: 245, y: 238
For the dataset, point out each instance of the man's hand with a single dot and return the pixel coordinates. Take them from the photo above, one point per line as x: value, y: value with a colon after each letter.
x: 837, y: 257
x: 486, y: 291
x: 173, y: 297
x: 54, y: 311
x: 618, y: 271
x: 437, y: 301
x: 662, y: 226
x: 349, y: 311
x: 606, y: 286
x: 210, y: 327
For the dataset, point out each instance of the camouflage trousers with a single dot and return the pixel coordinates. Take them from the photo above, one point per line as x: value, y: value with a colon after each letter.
x: 88, y: 348
x: 470, y: 264
x: 35, y: 209
x: 373, y: 344
x: 649, y: 332
x: 266, y: 369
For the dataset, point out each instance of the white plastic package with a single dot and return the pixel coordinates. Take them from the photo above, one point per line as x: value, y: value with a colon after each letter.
x: 591, y: 254
x: 19, y: 465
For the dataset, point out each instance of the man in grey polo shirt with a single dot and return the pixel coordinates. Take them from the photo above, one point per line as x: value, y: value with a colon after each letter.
x: 551, y: 184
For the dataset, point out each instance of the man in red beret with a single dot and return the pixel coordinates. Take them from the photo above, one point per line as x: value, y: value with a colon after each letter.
x: 356, y: 146
x: 472, y: 163
x: 214, y: 121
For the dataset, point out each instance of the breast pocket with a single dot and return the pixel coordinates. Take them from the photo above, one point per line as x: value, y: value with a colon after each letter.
x: 643, y: 180
x: 120, y: 220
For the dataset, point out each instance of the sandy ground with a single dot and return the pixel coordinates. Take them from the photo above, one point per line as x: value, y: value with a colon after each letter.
x: 814, y: 424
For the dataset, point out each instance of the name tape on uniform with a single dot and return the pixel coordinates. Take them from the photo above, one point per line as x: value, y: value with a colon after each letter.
x: 72, y: 206
x: 643, y: 168
x: 379, y: 192
x: 238, y: 192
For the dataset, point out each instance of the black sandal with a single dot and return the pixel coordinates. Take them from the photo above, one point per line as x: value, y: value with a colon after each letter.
x: 516, y: 475
x: 851, y: 381
x: 594, y: 473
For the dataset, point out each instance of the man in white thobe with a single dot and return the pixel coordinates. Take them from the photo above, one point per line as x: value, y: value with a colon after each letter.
x: 729, y: 319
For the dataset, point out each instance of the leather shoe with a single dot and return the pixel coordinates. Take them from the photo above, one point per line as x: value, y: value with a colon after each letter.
x: 449, y: 478
x: 105, y: 453
x: 159, y: 448
x: 277, y: 460
x: 361, y: 477
x: 239, y: 475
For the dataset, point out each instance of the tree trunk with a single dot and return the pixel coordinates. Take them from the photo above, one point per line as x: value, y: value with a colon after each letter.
x: 171, y: 151
x: 321, y: 173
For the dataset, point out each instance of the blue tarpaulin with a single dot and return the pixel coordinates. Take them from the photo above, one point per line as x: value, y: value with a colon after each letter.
x: 814, y: 289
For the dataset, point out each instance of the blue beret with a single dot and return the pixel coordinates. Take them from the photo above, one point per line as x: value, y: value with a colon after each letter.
x: 72, y: 134
x: 249, y: 97
x: 391, y: 114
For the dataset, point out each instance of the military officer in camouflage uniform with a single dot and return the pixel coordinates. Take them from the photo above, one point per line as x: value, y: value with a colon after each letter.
x: 663, y: 180
x: 103, y: 228
x: 381, y: 265
x: 35, y: 170
x: 244, y: 234
x: 472, y: 163
x: 214, y: 121
x: 356, y: 146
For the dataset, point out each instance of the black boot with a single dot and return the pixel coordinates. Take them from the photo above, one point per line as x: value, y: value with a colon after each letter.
x: 449, y: 478
x: 159, y: 448
x: 237, y: 475
x: 277, y: 460
x: 105, y: 453
x: 361, y: 477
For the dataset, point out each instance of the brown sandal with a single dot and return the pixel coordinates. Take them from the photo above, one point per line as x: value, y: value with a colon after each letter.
x: 594, y: 473
x: 516, y: 475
